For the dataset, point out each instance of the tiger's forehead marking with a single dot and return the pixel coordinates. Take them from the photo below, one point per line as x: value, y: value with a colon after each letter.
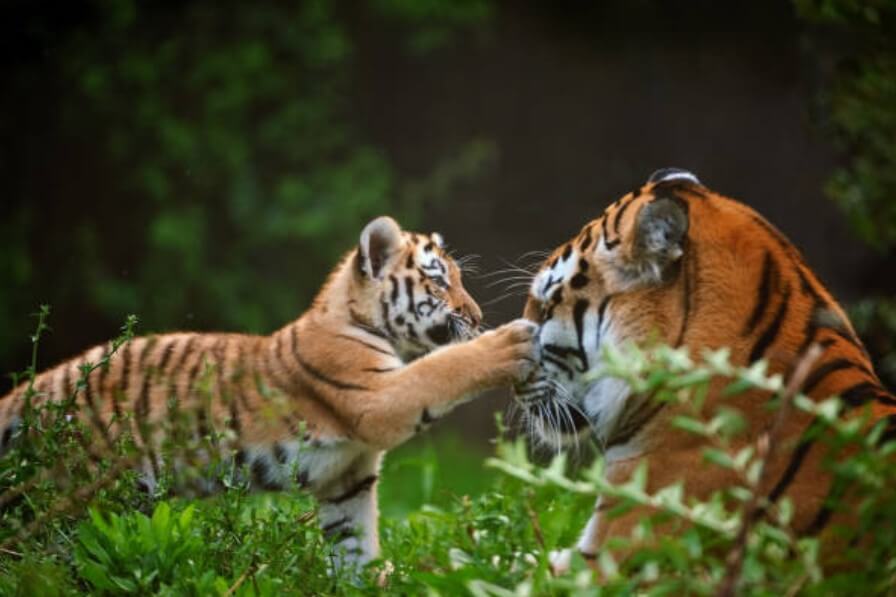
x: 427, y: 251
x: 570, y: 261
x: 562, y: 267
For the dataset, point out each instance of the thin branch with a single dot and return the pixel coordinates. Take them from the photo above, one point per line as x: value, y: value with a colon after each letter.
x: 766, y: 449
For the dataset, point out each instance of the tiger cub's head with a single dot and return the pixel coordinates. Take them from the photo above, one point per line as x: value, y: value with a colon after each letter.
x: 675, y: 263
x: 409, y: 289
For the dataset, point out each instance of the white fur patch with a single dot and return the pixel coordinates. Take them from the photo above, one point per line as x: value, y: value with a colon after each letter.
x: 673, y: 174
x: 547, y: 281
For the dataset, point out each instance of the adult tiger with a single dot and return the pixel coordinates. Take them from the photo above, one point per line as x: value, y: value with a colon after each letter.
x: 315, y: 404
x: 676, y: 262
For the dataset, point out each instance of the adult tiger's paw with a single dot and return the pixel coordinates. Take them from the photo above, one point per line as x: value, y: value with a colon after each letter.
x: 511, y: 350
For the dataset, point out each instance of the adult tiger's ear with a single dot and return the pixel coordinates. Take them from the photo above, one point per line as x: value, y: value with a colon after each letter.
x: 659, y: 236
x: 380, y: 242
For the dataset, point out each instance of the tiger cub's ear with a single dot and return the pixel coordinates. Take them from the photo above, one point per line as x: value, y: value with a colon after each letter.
x: 659, y: 235
x: 381, y: 241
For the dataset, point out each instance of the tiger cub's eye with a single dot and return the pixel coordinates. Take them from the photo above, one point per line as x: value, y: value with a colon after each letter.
x: 440, y: 281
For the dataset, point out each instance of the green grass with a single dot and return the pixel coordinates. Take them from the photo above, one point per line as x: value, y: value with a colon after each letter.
x: 446, y: 521
x: 435, y: 470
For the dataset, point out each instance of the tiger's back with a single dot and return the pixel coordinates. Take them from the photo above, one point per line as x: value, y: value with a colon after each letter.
x: 676, y: 263
x: 388, y: 346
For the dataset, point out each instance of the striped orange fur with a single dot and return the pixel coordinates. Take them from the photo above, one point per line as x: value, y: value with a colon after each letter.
x: 677, y: 263
x: 389, y: 345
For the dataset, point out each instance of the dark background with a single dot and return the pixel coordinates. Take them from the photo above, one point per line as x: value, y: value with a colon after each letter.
x: 503, y: 125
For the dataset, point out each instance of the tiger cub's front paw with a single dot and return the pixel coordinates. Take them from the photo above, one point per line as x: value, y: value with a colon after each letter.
x: 511, y: 351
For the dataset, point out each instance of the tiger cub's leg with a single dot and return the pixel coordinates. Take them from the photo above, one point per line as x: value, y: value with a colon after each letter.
x: 348, y: 513
x: 587, y: 545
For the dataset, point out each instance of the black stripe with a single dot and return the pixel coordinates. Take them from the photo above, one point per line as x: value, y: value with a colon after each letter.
x: 280, y: 453
x: 689, y: 268
x: 194, y: 373
x: 88, y: 389
x: 379, y: 369
x: 166, y: 355
x: 142, y: 408
x: 619, y: 213
x: 610, y: 245
x: 124, y: 381
x: 845, y: 335
x: 394, y: 294
x: 885, y: 398
x: 834, y: 498
x: 889, y: 433
x: 294, y: 338
x: 567, y: 251
x: 632, y: 427
x: 578, y: 315
x: 384, y: 308
x: 260, y: 476
x: 147, y: 348
x: 819, y: 374
x: 235, y: 424
x: 363, y: 485
x: 104, y: 369
x: 244, y: 373
x: 771, y: 332
x: 219, y: 354
x: 860, y: 394
x: 320, y: 376
x: 358, y: 323
x: 586, y: 242
x: 67, y: 382
x: 7, y: 436
x: 329, y: 528
x: 578, y: 281
x: 312, y: 393
x: 176, y: 368
x: 409, y: 291
x: 796, y: 461
x: 821, y: 519
x: 856, y: 394
x: 279, y: 344
x: 88, y: 398
x: 202, y: 428
x: 366, y: 344
x: 559, y: 364
x: 763, y: 293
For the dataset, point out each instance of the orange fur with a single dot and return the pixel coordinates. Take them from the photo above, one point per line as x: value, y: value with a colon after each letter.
x: 375, y: 359
x: 678, y: 263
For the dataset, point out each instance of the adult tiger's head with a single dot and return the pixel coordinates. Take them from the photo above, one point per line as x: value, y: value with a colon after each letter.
x: 671, y: 262
x: 407, y: 288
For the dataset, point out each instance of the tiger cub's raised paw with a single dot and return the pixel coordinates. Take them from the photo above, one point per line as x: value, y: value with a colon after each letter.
x: 511, y: 350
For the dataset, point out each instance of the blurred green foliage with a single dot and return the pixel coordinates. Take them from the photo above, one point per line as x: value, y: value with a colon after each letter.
x: 237, y: 174
x: 876, y: 318
x: 859, y: 110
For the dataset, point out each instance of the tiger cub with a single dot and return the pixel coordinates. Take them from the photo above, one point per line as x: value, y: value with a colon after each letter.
x: 373, y: 361
x: 677, y: 262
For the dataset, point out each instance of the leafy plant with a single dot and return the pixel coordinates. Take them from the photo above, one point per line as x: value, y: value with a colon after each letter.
x: 858, y: 109
x: 138, y: 554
